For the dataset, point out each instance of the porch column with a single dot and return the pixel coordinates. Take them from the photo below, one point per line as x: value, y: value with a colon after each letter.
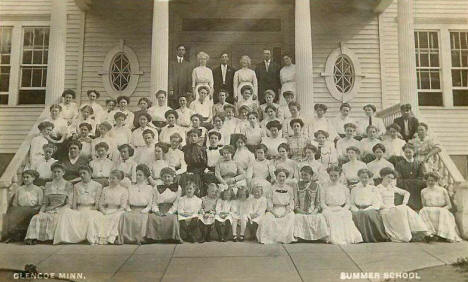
x: 406, y: 51
x: 160, y: 46
x: 303, y: 49
x: 56, y: 59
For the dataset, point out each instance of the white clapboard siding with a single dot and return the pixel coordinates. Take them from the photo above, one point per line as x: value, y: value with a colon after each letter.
x: 450, y: 127
x: 358, y: 30
x: 15, y: 123
x: 440, y: 8
x: 73, y: 45
x: 24, y: 7
x: 106, y: 24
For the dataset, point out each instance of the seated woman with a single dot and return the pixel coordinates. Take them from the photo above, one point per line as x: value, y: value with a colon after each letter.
x: 246, y: 99
x: 274, y: 140
x: 326, y: 150
x: 25, y: 203
x: 370, y: 119
x: 379, y: 163
x: 112, y: 203
x: 101, y: 166
x: 320, y: 172
x: 277, y: 225
x: 228, y: 172
x: 97, y: 112
x: 159, y: 109
x: 335, y: 208
x: 436, y: 210
x: 126, y: 164
x: 69, y: 108
x: 121, y: 132
x: 104, y: 136
x: 123, y: 102
x: 262, y: 170
x: 298, y: 140
x: 287, y: 77
x: 144, y: 104
x: 245, y: 76
x: 203, y: 105
x: 184, y: 112
x: 202, y: 75
x: 309, y: 223
x: 172, y: 128
x: 85, y: 116
x: 368, y: 143
x: 144, y: 123
x: 411, y: 173
x: 270, y: 114
x: 133, y: 224
x: 365, y: 204
x: 295, y: 113
x: 253, y: 131
x: 351, y: 168
x: 73, y: 225
x: 426, y: 148
x: 347, y: 141
x: 393, y: 143
x: 161, y: 224
x: 269, y: 96
x: 402, y: 224
x: 60, y: 131
x: 242, y: 155
x: 110, y: 107
x: 57, y: 196
x: 158, y: 163
x: 73, y: 161
x: 284, y: 162
x: 321, y: 122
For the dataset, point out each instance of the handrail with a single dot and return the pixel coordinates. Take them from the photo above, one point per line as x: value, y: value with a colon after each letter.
x: 450, y: 174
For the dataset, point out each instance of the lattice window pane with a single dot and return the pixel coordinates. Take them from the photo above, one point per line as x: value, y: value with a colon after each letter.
x: 459, y: 52
x: 344, y: 75
x: 120, y: 72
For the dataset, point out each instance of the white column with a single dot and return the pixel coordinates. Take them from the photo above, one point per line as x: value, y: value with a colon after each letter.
x: 160, y: 46
x: 56, y: 60
x: 406, y: 51
x: 303, y: 48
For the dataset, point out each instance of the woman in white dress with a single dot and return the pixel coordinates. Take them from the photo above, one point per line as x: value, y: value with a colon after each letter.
x: 263, y: 170
x: 277, y: 226
x: 159, y: 109
x: 73, y: 225
x: 98, y: 111
x: 284, y: 162
x: 287, y: 78
x: 402, y: 224
x: 158, y: 163
x: 379, y: 163
x: 60, y: 131
x: 436, y: 211
x: 202, y: 75
x: 69, y: 108
x: 245, y: 76
x: 393, y: 143
x: 122, y: 102
x: 274, y: 140
x: 258, y: 206
x: 112, y: 203
x: 426, y: 148
x: 351, y: 168
x: 133, y: 224
x: 335, y: 207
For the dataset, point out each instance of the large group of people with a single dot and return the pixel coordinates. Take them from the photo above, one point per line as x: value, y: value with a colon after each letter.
x: 238, y: 163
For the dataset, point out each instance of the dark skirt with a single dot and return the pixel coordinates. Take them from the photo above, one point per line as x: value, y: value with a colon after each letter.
x: 18, y: 219
x: 414, y: 187
x: 132, y: 227
x: 163, y: 227
x: 370, y: 224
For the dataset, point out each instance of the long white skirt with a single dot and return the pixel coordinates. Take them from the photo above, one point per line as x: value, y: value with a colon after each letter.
x: 401, y: 222
x: 276, y: 230
x: 341, y: 226
x: 440, y: 222
x: 73, y: 225
x: 104, y: 229
x: 310, y: 226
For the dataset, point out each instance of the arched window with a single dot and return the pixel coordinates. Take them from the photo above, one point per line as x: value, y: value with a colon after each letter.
x: 121, y: 71
x: 342, y: 74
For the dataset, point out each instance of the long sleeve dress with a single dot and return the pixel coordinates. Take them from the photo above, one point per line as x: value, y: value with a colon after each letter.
x: 133, y: 224
x: 279, y: 228
x: 73, y: 225
x: 339, y: 219
x: 245, y: 76
x: 208, y: 212
x: 202, y: 75
x: 400, y: 222
x: 309, y: 225
x: 164, y: 226
x: 365, y: 204
x: 187, y: 208
x: 258, y: 207
x: 411, y: 173
x: 57, y: 195
x: 25, y: 203
x: 288, y: 81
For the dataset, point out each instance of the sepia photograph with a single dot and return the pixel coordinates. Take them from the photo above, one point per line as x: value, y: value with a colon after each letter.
x: 234, y: 140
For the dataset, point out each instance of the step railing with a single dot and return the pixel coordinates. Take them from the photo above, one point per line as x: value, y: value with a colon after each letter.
x: 450, y: 176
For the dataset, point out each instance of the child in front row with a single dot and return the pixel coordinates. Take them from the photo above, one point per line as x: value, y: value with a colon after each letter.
x: 223, y: 214
x: 240, y: 213
x: 208, y: 212
x: 258, y: 207
x: 188, y: 208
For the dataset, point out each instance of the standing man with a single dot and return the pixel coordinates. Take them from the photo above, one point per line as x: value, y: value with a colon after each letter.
x: 268, y: 76
x: 223, y: 78
x: 407, y: 122
x: 180, y: 77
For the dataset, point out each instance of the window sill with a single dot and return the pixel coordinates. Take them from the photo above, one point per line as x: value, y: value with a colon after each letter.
x: 24, y: 106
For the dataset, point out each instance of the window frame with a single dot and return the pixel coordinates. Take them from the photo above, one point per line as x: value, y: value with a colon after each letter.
x: 445, y: 60
x: 7, y: 93
x: 16, y: 55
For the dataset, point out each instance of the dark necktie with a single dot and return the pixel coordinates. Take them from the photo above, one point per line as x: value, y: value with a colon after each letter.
x: 370, y: 120
x: 170, y: 126
x: 319, y: 153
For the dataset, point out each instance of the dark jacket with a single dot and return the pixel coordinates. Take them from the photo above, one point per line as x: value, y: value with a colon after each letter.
x: 413, y: 124
x: 180, y: 77
x: 228, y: 85
x: 268, y: 79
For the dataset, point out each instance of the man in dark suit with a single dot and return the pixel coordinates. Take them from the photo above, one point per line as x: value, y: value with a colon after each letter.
x: 407, y: 122
x: 268, y: 76
x: 223, y: 78
x: 180, y: 77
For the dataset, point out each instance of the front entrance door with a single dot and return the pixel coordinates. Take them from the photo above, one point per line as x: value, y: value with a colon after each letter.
x: 218, y: 26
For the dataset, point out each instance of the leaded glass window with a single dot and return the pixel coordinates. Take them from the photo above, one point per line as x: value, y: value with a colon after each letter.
x: 343, y: 74
x: 120, y: 73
